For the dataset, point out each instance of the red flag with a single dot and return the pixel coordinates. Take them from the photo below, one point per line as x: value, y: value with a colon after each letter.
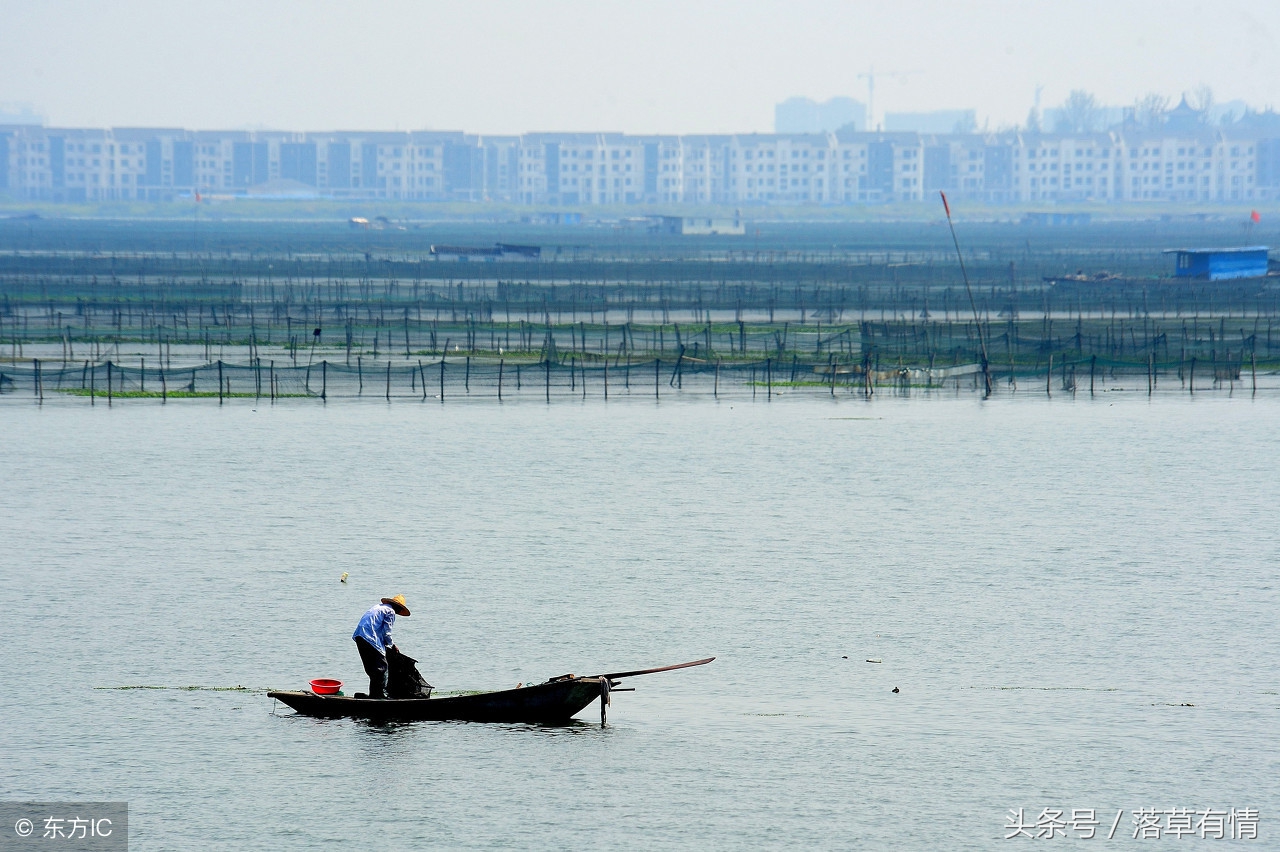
x: 945, y: 205
x: 197, y: 196
x: 1256, y: 217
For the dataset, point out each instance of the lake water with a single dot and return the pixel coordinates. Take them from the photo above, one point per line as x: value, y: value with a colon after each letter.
x: 1049, y: 584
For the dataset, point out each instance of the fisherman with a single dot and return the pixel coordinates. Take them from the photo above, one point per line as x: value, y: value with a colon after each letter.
x: 373, y: 640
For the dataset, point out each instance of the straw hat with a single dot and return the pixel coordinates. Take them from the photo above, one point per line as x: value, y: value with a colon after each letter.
x: 398, y: 604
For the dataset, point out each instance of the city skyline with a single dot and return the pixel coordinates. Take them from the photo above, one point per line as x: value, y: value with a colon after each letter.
x: 510, y: 68
x: 954, y: 119
x: 1180, y: 157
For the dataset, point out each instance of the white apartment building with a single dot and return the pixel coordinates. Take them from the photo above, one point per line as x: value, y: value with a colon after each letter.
x: 590, y: 169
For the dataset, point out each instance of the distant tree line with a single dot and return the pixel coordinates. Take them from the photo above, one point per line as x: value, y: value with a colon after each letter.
x: 1082, y: 113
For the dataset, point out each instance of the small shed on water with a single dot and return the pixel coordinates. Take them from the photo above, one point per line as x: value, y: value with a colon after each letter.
x: 1220, y: 264
x: 700, y: 225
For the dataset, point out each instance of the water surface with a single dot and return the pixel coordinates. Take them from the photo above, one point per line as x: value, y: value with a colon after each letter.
x: 1047, y: 582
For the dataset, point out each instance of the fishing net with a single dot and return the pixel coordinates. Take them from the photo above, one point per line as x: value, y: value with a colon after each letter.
x: 438, y: 379
x: 403, y: 678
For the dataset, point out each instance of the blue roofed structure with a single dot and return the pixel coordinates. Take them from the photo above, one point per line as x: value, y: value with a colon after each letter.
x: 1221, y: 264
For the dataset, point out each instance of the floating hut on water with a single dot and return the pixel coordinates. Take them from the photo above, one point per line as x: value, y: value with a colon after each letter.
x: 1221, y: 264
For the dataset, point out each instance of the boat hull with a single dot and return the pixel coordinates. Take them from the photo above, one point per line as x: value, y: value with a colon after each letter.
x: 545, y: 703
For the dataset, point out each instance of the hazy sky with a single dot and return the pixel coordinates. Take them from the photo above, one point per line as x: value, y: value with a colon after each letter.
x: 638, y: 67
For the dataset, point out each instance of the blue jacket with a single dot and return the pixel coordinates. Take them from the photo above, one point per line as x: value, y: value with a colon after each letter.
x: 375, y: 627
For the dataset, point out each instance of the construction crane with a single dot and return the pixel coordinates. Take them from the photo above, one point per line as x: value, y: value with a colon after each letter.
x: 870, y: 76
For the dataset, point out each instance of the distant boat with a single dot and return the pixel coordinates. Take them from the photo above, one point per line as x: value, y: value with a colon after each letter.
x: 556, y: 701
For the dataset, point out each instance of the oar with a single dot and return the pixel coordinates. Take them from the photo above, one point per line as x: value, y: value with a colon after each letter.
x: 620, y: 675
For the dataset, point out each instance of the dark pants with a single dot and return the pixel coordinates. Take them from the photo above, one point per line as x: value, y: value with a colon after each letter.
x: 375, y: 665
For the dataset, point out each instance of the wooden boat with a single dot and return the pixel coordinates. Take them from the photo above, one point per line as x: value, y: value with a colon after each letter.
x: 556, y: 701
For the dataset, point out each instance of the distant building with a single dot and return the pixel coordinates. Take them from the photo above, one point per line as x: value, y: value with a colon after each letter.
x: 938, y: 121
x: 578, y: 172
x: 552, y: 218
x: 20, y: 114
x: 1057, y: 219
x: 1183, y: 118
x: 700, y: 225
x: 1221, y: 264
x: 802, y: 115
